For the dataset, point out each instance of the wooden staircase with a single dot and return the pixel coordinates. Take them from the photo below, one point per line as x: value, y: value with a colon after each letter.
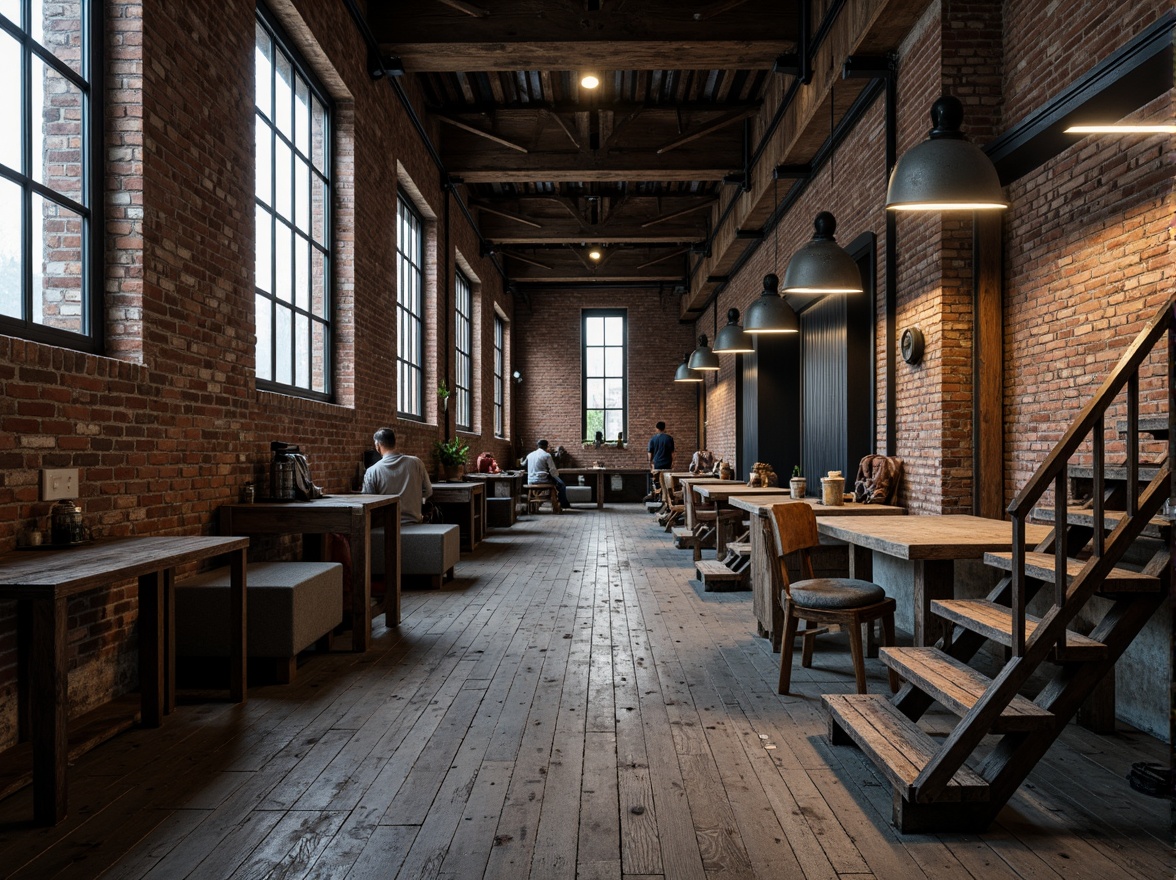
x: 961, y: 782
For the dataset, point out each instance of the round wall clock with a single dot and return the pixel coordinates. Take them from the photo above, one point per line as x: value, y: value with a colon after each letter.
x: 911, y: 345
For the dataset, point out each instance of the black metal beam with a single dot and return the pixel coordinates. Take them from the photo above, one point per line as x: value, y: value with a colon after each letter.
x: 1136, y: 73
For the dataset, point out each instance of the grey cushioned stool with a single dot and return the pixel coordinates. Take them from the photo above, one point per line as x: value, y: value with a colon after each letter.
x: 289, y: 607
x: 427, y: 550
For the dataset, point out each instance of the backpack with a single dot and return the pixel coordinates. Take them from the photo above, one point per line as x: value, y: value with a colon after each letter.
x: 877, y: 480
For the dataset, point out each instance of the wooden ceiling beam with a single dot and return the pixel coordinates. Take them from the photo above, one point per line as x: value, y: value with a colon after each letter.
x: 501, y: 230
x: 485, y: 57
x: 864, y: 27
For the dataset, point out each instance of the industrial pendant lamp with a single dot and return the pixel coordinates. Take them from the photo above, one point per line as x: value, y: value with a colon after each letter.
x: 685, y: 374
x: 703, y: 358
x: 946, y: 172
x: 771, y: 312
x: 732, y: 339
x: 822, y: 265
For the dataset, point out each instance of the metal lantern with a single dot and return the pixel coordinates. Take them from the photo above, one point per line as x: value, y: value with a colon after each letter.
x: 65, y: 523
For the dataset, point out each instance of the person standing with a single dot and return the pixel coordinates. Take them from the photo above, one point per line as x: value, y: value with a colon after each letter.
x: 541, y: 469
x: 661, y: 453
x: 398, y: 474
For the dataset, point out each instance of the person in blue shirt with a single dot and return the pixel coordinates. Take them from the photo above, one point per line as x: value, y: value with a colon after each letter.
x: 661, y: 453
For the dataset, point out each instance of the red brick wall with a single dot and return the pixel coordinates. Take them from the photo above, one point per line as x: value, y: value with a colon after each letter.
x: 168, y: 426
x: 550, y: 398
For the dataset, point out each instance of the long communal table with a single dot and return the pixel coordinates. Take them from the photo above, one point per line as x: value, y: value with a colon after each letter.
x: 43, y: 582
x: 766, y: 585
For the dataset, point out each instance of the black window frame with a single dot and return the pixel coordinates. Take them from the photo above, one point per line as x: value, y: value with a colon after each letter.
x: 463, y: 345
x: 410, y: 372
x: 281, y: 41
x: 91, y: 84
x: 585, y: 315
x: 499, y: 376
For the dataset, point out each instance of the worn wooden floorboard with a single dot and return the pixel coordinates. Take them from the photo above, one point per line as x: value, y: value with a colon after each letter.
x: 572, y: 705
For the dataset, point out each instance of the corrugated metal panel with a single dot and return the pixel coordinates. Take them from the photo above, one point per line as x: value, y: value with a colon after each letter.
x: 825, y: 390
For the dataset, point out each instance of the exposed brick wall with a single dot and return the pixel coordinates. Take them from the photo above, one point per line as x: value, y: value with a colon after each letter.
x: 550, y: 398
x: 168, y: 426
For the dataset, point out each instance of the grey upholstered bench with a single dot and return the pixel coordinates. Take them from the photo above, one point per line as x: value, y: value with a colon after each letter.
x: 289, y: 607
x: 426, y: 550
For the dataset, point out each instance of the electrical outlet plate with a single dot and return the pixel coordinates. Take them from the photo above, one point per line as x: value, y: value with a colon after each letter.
x: 57, y: 483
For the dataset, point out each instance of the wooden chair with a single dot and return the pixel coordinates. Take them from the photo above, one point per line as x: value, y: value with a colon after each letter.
x: 703, y: 519
x: 845, y: 602
x: 672, y: 507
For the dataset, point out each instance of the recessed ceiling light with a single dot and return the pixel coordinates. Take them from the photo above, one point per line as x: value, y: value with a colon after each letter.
x: 1122, y: 128
x: 594, y: 254
x: 590, y: 80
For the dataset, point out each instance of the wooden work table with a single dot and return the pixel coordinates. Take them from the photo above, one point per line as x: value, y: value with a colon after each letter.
x: 765, y: 570
x: 599, y: 474
x: 352, y: 515
x: 464, y: 504
x: 42, y: 583
x: 932, y: 544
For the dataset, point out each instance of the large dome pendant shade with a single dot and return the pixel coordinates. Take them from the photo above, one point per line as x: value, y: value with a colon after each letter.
x: 771, y: 312
x: 822, y: 265
x: 703, y: 358
x: 685, y: 374
x: 732, y: 339
x: 946, y: 172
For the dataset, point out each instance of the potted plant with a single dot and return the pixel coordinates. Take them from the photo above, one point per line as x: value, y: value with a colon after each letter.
x: 798, y: 485
x: 443, y: 394
x: 453, y: 455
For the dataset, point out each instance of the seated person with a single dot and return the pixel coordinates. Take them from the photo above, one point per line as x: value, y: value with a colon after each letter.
x: 702, y: 462
x: 541, y: 469
x: 398, y: 474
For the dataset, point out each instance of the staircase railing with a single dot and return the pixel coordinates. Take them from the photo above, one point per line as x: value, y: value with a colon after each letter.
x: 1054, y: 470
x: 1068, y: 600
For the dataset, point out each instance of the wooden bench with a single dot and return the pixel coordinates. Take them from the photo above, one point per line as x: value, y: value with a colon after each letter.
x: 538, y: 493
x: 289, y: 607
x: 717, y: 576
x: 428, y: 551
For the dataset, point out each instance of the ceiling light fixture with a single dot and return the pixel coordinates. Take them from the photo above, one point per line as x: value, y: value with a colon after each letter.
x: 1122, y: 128
x: 589, y: 81
x: 946, y: 172
x: 822, y: 265
x: 771, y: 312
x: 685, y: 374
x: 703, y: 358
x: 732, y: 339
x: 594, y: 254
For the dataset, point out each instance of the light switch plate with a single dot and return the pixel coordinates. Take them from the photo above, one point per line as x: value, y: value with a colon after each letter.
x: 59, y: 483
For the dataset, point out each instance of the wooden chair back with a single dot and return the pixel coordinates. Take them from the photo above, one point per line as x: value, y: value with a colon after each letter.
x: 794, y: 526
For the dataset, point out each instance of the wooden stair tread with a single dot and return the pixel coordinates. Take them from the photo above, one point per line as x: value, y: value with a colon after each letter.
x: 1156, y: 426
x: 1156, y: 527
x: 898, y: 746
x: 995, y: 622
x: 959, y: 687
x: 715, y: 570
x: 1041, y: 566
x: 1086, y: 472
x: 739, y: 548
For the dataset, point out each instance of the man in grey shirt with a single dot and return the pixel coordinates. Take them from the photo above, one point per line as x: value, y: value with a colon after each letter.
x: 541, y: 469
x: 397, y: 474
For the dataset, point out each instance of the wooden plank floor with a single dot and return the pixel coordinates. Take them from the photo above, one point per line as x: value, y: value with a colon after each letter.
x: 572, y: 706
